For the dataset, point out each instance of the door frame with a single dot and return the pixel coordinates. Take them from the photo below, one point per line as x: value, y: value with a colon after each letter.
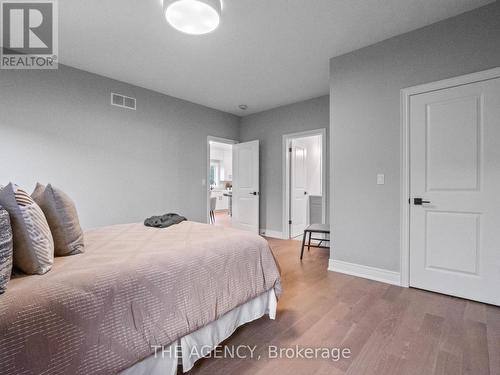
x: 207, y: 185
x: 285, y: 168
x: 406, y: 95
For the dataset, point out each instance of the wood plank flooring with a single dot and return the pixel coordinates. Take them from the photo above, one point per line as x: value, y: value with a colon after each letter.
x: 222, y: 218
x: 389, y: 330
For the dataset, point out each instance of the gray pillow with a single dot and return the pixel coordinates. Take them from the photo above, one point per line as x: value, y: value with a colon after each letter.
x: 33, y: 243
x: 62, y: 217
x: 5, y: 249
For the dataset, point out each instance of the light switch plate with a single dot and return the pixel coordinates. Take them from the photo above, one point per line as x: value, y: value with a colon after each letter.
x: 380, y: 179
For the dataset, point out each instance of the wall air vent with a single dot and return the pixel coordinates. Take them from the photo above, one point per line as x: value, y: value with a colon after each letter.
x: 123, y: 101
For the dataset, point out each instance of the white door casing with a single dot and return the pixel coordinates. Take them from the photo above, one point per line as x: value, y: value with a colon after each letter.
x: 246, y: 196
x: 286, y: 185
x: 454, y: 154
x: 299, y: 195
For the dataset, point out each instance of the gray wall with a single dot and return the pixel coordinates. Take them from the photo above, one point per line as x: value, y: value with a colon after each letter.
x: 118, y: 165
x: 365, y: 124
x: 269, y: 127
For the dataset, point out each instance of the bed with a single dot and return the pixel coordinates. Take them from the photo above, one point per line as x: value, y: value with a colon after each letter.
x: 134, y: 290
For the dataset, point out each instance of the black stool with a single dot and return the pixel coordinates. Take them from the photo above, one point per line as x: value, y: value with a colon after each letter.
x: 315, y: 228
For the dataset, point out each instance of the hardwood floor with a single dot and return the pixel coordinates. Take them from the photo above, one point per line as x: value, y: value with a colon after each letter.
x: 389, y: 330
x: 222, y: 218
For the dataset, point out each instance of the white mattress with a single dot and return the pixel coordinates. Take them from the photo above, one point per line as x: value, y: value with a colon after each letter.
x: 166, y: 362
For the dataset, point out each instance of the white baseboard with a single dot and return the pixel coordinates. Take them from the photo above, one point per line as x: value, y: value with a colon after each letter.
x: 271, y: 233
x: 367, y: 272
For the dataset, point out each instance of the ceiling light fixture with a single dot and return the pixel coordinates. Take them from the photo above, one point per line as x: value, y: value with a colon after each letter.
x: 243, y: 107
x: 193, y: 17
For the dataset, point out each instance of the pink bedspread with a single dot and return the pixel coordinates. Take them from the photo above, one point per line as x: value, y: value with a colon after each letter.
x: 100, y: 312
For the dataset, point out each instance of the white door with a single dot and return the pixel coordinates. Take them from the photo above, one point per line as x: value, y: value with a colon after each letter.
x: 246, y: 186
x: 299, y: 196
x: 455, y: 166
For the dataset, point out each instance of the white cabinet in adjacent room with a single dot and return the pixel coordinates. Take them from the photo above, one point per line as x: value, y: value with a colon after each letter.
x: 222, y: 201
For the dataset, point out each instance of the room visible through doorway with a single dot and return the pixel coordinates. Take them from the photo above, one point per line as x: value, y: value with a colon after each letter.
x: 304, y: 182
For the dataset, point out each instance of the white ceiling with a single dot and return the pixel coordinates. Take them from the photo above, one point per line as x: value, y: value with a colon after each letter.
x: 265, y: 53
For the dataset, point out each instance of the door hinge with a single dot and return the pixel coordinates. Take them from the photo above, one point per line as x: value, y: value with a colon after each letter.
x: 290, y: 149
x: 290, y: 222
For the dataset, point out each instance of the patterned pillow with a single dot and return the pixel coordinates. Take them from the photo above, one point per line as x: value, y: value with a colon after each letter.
x: 5, y: 249
x: 33, y: 243
x: 62, y: 217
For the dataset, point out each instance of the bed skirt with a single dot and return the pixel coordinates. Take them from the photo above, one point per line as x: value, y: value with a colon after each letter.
x: 192, y: 347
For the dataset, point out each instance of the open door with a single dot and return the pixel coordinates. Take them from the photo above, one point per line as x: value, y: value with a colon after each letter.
x: 246, y: 186
x: 299, y: 196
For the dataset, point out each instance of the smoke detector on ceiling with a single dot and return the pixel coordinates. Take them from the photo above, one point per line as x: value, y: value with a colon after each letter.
x: 243, y: 107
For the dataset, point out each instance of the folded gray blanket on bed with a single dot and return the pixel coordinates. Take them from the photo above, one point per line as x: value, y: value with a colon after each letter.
x: 163, y: 221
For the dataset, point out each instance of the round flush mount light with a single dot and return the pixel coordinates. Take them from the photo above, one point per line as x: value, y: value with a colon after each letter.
x: 193, y: 17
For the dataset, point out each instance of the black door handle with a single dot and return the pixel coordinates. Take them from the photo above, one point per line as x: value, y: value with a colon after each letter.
x: 254, y: 193
x: 305, y: 192
x: 419, y: 201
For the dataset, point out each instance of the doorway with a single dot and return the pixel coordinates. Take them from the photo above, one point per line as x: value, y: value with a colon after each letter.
x: 233, y: 194
x: 219, y: 180
x: 450, y: 184
x: 304, y: 185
